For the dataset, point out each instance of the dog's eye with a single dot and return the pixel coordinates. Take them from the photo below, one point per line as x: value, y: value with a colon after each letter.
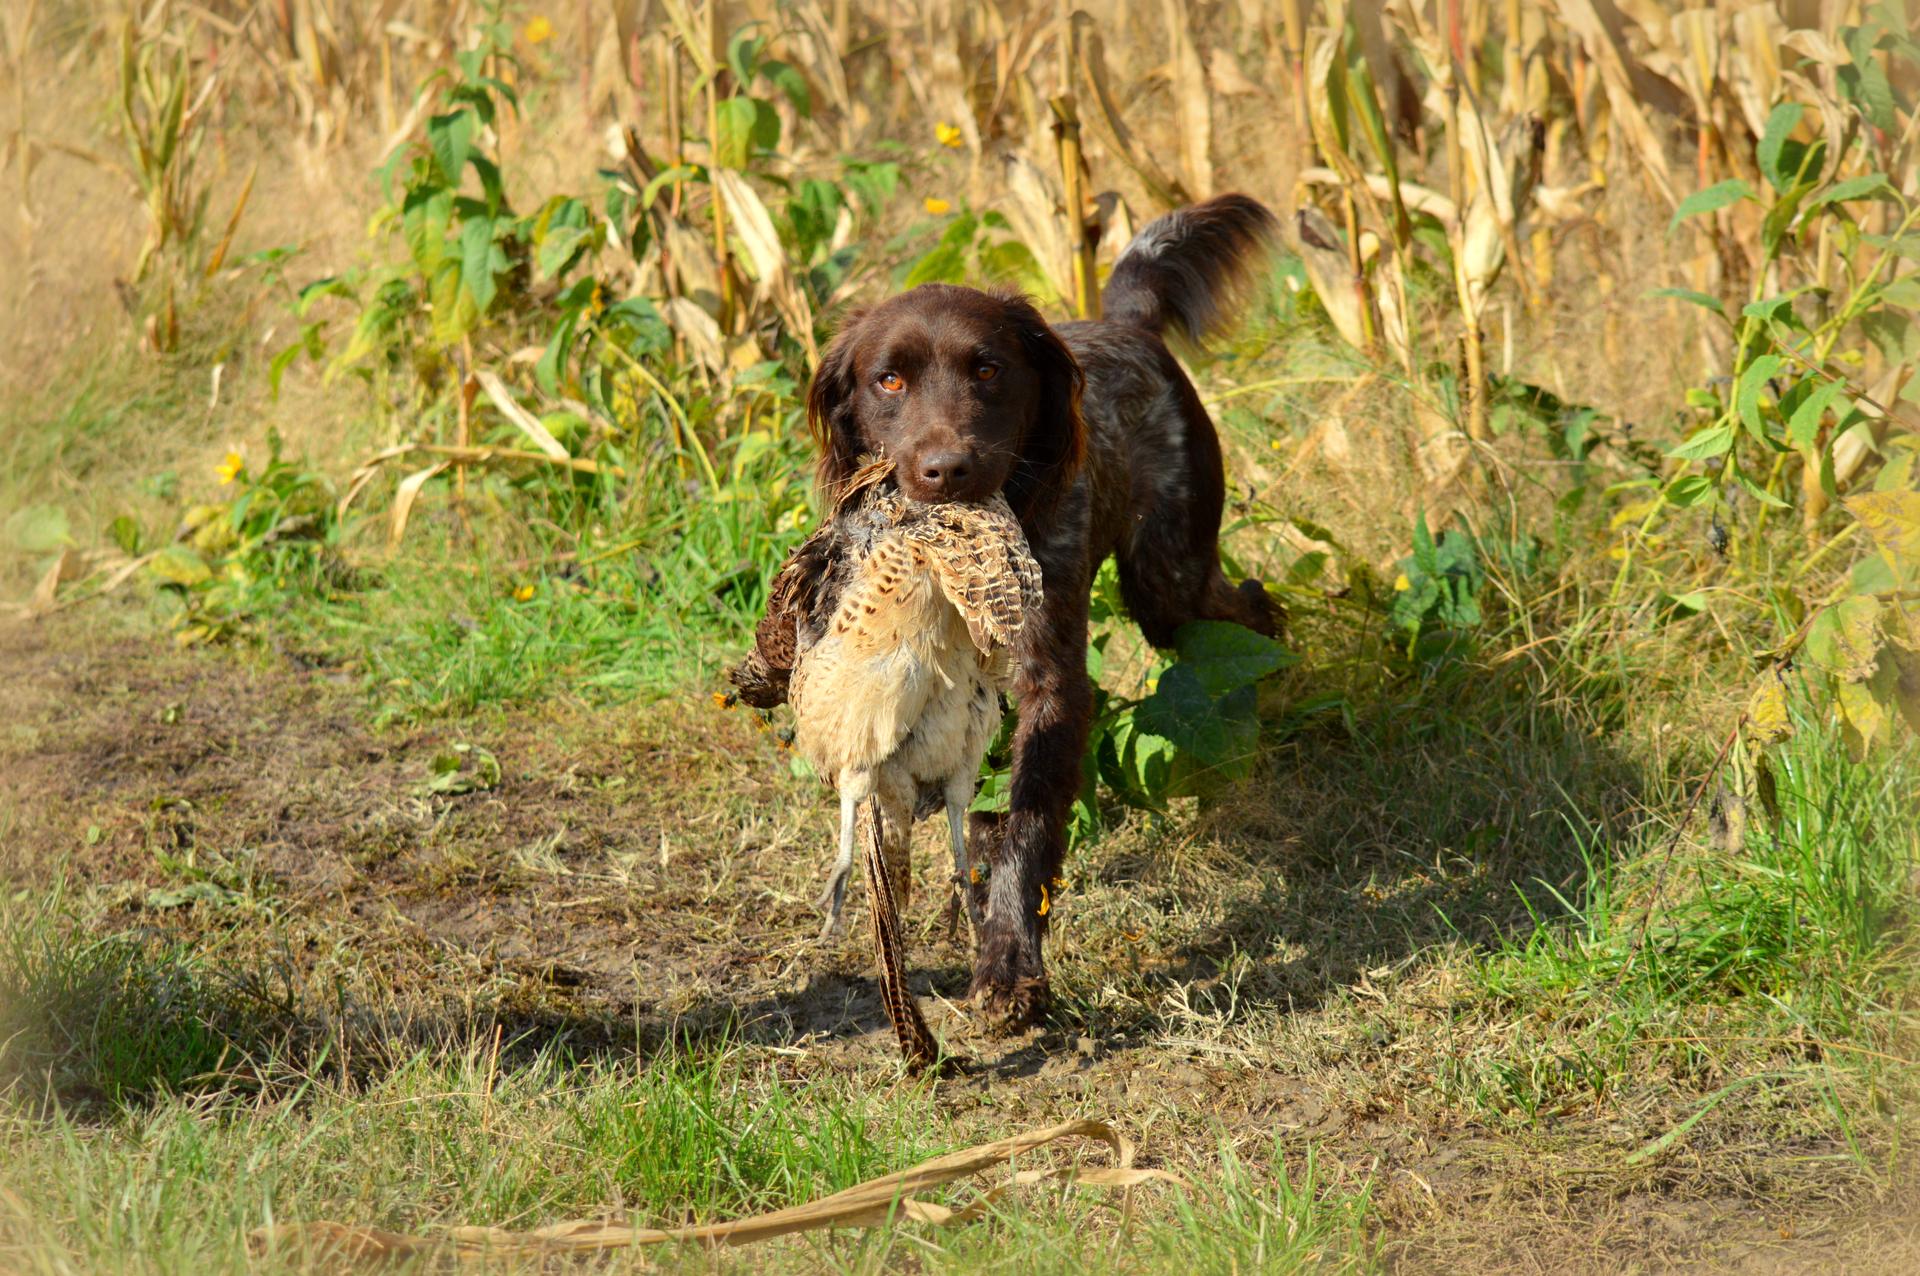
x: 986, y: 371
x: 890, y: 382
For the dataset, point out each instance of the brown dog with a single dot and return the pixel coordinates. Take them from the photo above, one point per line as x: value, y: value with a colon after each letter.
x: 1101, y: 446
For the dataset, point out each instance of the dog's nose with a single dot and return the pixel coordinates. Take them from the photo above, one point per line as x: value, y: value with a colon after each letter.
x: 946, y: 471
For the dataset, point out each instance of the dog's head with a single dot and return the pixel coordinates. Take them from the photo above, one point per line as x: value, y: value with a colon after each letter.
x: 968, y: 393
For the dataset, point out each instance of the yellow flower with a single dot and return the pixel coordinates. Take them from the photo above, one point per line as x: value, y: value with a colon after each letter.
x: 948, y: 134
x: 1045, y: 903
x: 231, y: 467
x: 523, y: 594
x: 935, y: 205
x: 538, y: 31
x: 1401, y: 584
x: 1274, y: 444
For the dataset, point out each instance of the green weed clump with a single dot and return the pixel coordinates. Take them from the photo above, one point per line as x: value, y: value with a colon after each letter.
x: 114, y: 1019
x: 1778, y: 950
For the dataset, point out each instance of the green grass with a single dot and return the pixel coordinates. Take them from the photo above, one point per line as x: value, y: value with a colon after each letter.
x: 167, y: 1168
x: 117, y: 1018
x: 600, y: 591
x: 176, y: 1187
x: 84, y: 449
x: 1784, y: 954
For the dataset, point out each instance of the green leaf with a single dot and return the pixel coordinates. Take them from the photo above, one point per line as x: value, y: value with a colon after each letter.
x: 450, y: 142
x: 1366, y: 103
x: 1180, y: 710
x: 1715, y: 440
x: 180, y: 565
x: 741, y: 124
x: 665, y: 178
x: 946, y: 264
x: 1853, y: 188
x: 1778, y: 309
x: 1425, y: 556
x: 1873, y: 575
x: 636, y: 320
x: 424, y: 219
x: 1844, y: 639
x: 278, y: 365
x: 477, y: 262
x: 454, y: 314
x: 331, y: 286
x: 1759, y: 493
x: 1226, y: 656
x: 1865, y: 83
x: 39, y: 529
x: 1779, y: 219
x: 1689, y: 490
x: 553, y: 359
x: 1907, y: 245
x: 766, y: 125
x: 733, y: 132
x: 1222, y: 735
x: 1866, y: 704
x: 1747, y: 391
x: 161, y: 898
x: 1712, y: 199
x: 1700, y: 299
x: 790, y: 82
x: 1892, y: 333
x: 1778, y: 155
x: 559, y: 249
x: 1903, y: 292
x: 1906, y: 682
x: 463, y: 768
x: 743, y: 52
x: 1803, y: 428
x: 1307, y: 568
x: 1149, y: 764
x: 126, y: 534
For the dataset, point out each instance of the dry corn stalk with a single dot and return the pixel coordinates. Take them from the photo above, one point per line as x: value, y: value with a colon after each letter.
x: 874, y: 1203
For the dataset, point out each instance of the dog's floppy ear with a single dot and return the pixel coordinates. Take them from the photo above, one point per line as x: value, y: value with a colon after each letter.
x: 1056, y: 438
x: 830, y: 409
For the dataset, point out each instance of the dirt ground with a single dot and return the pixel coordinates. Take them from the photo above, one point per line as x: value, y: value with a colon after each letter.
x: 648, y: 871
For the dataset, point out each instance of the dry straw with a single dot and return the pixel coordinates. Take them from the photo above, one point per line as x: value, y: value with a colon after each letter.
x: 873, y: 1203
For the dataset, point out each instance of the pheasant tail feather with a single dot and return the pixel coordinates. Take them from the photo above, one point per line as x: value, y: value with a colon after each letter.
x: 916, y: 1039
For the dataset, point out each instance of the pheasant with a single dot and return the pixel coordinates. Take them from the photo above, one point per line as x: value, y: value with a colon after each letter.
x: 888, y: 631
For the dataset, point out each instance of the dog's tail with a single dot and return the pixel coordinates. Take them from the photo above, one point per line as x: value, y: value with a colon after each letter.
x: 1190, y: 269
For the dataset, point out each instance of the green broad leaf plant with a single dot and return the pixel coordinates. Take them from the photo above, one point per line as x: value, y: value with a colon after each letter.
x: 1817, y: 413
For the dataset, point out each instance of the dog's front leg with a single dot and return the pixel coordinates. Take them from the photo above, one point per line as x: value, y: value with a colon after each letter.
x: 1055, y: 704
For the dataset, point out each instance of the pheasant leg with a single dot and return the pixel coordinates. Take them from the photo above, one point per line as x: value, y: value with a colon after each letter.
x: 835, y: 896
x: 959, y: 798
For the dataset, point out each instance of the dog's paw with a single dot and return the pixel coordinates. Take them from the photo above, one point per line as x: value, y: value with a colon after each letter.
x: 1263, y: 614
x: 1008, y: 1006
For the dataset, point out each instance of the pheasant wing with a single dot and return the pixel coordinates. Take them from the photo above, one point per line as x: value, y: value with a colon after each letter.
x: 984, y: 567
x: 761, y: 678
